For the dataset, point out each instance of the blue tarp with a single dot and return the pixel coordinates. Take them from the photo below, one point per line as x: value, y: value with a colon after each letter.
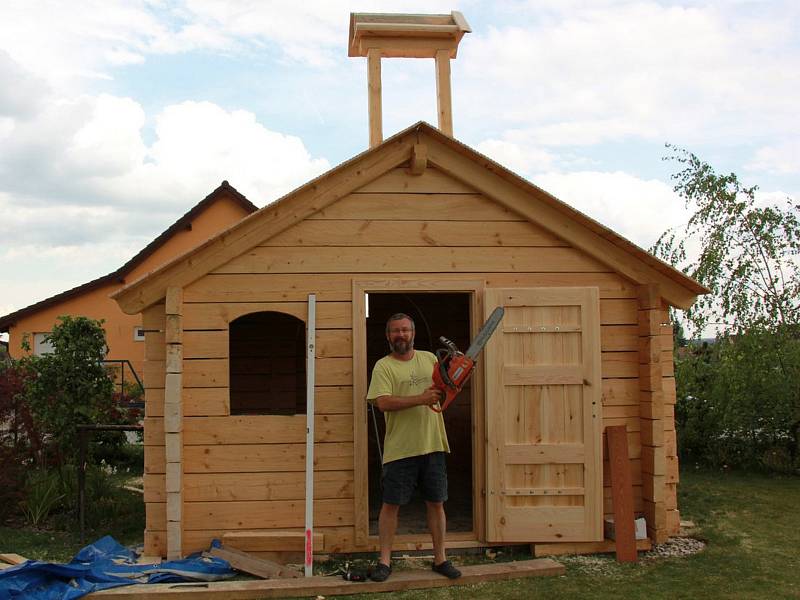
x: 102, y: 565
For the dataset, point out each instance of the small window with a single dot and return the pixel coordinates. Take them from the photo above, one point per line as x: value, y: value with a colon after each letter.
x: 138, y: 333
x: 267, y: 353
x: 41, y: 345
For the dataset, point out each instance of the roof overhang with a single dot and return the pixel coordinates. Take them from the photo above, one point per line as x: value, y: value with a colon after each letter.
x: 455, y: 159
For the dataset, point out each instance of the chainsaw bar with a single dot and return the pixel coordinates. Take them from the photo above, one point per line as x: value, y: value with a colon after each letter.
x: 485, y: 333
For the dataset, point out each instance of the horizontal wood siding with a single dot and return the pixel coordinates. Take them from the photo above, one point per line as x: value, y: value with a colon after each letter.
x: 245, y: 473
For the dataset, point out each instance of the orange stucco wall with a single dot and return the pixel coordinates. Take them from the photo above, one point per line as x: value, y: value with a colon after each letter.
x: 96, y: 304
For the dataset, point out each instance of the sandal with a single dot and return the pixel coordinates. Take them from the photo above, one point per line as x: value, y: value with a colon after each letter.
x: 447, y: 569
x: 380, y: 572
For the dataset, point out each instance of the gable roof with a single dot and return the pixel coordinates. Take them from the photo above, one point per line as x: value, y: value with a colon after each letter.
x: 448, y: 155
x: 224, y: 190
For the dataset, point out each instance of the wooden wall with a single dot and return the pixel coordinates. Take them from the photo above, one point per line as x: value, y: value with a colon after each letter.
x: 247, y: 473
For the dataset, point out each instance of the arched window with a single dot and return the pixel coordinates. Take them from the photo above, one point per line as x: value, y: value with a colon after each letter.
x: 267, y: 364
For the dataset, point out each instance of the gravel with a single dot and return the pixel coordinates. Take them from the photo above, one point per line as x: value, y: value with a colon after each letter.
x: 606, y: 565
x: 675, y: 546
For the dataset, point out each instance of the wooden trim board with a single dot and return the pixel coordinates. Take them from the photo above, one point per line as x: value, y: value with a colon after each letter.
x: 474, y: 287
x: 332, y: 586
x: 604, y: 547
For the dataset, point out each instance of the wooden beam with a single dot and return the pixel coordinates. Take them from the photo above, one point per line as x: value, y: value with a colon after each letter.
x: 419, y: 160
x: 13, y: 559
x: 173, y: 422
x: 622, y: 493
x: 333, y: 586
x: 260, y: 567
x: 374, y: 96
x: 444, y: 97
x: 367, y: 29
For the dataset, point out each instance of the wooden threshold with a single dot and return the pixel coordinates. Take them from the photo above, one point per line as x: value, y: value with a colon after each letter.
x: 331, y: 586
x: 422, y: 541
x: 606, y: 546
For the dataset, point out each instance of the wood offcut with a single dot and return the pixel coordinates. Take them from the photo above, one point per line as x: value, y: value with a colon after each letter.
x: 246, y: 563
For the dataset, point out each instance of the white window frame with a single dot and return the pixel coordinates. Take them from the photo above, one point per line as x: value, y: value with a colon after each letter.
x: 40, y: 347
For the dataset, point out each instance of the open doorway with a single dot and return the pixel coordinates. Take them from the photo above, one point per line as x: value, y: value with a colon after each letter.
x: 435, y: 315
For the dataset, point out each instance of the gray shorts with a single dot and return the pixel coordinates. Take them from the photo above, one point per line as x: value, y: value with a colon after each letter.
x: 401, y: 477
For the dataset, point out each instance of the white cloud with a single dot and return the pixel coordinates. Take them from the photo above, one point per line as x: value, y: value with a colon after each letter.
x: 84, y: 192
x: 783, y: 159
x: 518, y: 159
x: 585, y: 73
x: 638, y: 209
x: 109, y: 142
x: 199, y: 144
x: 90, y: 150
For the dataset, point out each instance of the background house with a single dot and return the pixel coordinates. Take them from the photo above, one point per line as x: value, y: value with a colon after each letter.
x: 220, y: 209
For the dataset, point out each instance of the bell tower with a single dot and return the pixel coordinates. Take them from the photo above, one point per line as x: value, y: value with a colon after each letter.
x: 378, y: 36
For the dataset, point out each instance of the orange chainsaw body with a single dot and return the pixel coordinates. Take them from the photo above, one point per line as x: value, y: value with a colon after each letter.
x: 450, y: 374
x: 453, y: 368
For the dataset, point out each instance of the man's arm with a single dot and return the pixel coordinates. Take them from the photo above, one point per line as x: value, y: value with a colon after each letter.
x: 390, y: 403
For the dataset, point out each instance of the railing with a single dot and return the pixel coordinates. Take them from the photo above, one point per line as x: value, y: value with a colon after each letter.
x: 84, y: 431
x: 117, y: 366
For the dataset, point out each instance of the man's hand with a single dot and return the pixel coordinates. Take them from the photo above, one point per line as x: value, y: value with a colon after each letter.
x: 431, y: 396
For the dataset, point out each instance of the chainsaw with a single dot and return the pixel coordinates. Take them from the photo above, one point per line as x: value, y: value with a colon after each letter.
x: 453, y: 368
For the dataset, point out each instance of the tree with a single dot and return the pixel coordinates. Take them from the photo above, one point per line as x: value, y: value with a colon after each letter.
x: 71, y: 386
x: 745, y: 396
x: 748, y: 253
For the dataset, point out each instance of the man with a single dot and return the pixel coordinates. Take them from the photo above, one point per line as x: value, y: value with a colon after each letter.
x: 415, y: 443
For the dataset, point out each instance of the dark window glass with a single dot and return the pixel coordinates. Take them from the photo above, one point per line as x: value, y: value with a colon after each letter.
x: 267, y: 364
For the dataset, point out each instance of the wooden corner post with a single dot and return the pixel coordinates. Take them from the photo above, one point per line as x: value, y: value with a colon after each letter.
x: 173, y: 421
x: 651, y: 412
x: 379, y: 36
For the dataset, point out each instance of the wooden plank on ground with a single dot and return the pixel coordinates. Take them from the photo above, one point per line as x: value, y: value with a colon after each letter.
x: 332, y: 586
x: 622, y: 493
x: 260, y: 567
x: 12, y: 559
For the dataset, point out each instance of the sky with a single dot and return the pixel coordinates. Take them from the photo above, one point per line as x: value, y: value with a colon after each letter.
x: 117, y: 116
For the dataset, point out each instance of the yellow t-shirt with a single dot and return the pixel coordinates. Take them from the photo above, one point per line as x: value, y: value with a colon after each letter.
x: 412, y: 431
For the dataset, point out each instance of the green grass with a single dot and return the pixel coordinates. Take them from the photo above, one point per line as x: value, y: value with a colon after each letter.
x: 115, y: 511
x: 750, y: 521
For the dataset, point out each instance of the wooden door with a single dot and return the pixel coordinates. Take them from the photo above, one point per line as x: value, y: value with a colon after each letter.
x: 543, y: 407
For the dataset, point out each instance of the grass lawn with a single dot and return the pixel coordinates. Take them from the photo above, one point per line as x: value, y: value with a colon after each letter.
x: 750, y: 521
x: 119, y: 513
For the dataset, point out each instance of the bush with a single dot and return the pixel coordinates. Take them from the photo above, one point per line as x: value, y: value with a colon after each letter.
x: 43, y: 494
x: 738, y: 401
x: 20, y: 440
x: 71, y: 386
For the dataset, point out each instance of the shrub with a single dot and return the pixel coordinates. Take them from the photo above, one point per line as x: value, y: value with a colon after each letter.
x: 738, y: 401
x: 42, y: 495
x: 71, y: 386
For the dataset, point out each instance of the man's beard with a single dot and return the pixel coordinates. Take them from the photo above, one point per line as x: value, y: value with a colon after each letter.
x: 401, y: 346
